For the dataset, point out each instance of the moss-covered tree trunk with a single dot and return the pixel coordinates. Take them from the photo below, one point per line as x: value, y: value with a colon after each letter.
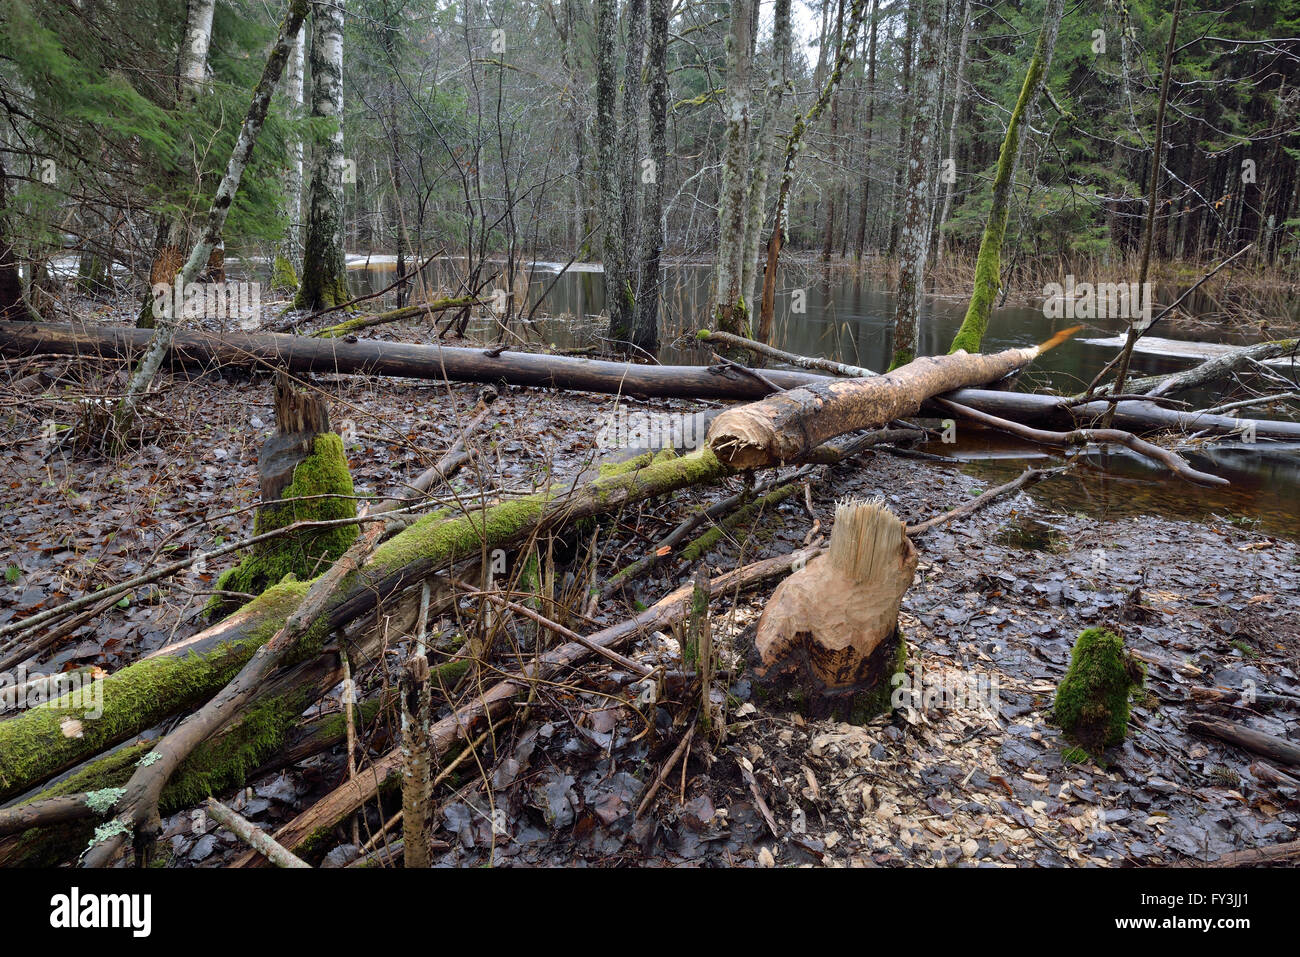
x: 323, y: 283
x: 613, y: 162
x: 988, y: 264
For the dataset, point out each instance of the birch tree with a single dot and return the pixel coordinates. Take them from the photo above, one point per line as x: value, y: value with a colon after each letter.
x: 324, y: 270
x: 914, y: 236
x: 728, y: 309
x: 988, y: 263
x: 793, y: 146
x: 174, y: 233
x: 166, y: 324
x: 294, y: 99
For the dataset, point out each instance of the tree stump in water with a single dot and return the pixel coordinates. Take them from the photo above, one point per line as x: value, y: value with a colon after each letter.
x: 828, y: 639
x: 301, y: 469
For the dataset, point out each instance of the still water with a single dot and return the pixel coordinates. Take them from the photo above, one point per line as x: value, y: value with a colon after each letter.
x: 849, y: 317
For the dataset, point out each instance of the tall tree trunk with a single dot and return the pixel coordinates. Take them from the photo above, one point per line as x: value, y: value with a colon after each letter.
x: 293, y: 188
x: 988, y: 264
x: 860, y: 241
x: 793, y: 144
x: 166, y: 325
x: 622, y: 327
x: 904, y: 127
x: 646, y: 333
x: 1153, y: 194
x: 914, y: 239
x: 828, y: 238
x: 174, y: 232
x: 619, y: 294
x: 729, y: 310
x: 324, y: 270
x: 777, y: 84
x: 12, y: 305
x: 936, y: 244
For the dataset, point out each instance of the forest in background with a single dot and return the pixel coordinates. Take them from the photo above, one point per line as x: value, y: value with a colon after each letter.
x: 370, y: 571
x: 518, y: 131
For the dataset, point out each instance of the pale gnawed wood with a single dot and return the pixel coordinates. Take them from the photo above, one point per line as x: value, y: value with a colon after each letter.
x: 785, y: 426
x: 831, y: 629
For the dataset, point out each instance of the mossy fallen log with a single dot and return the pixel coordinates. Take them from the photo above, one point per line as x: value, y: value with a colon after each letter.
x: 358, y: 323
x: 44, y: 741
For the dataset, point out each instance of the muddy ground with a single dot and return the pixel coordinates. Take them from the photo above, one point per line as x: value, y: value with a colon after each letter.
x: 972, y: 774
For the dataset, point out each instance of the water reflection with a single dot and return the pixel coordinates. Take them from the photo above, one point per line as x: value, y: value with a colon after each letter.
x: 848, y: 316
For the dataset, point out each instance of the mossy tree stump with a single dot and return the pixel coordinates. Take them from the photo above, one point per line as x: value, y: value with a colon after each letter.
x: 303, y: 476
x: 828, y: 640
x: 1092, y: 701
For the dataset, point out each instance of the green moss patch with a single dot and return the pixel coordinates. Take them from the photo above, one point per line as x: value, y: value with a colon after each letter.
x: 1092, y: 701
x: 307, y: 553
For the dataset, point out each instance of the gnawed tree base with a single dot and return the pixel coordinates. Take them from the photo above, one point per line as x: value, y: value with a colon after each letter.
x: 303, y: 476
x: 828, y: 640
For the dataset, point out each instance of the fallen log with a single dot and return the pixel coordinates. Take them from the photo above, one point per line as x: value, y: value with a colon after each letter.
x: 458, y: 364
x: 1248, y: 739
x: 1170, y: 460
x: 371, y: 357
x: 788, y: 425
x: 357, y: 323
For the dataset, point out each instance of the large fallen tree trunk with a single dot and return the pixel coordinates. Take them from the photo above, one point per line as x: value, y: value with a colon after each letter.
x: 305, y: 354
x: 788, y: 425
x: 302, y: 354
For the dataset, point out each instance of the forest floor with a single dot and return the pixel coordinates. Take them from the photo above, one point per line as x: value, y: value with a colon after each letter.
x: 976, y: 777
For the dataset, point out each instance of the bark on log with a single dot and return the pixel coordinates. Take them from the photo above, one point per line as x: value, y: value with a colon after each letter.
x: 1268, y: 745
x: 788, y: 425
x: 358, y: 323
x: 445, y: 363
x: 371, y: 357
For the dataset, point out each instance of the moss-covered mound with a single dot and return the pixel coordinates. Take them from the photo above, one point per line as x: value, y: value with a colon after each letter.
x: 1092, y: 700
x: 304, y: 554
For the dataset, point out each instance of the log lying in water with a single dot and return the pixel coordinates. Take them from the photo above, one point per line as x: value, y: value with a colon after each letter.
x: 302, y: 354
x: 373, y: 357
x: 788, y: 425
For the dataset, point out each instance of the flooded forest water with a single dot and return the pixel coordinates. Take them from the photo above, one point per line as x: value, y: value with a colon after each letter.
x: 847, y: 315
